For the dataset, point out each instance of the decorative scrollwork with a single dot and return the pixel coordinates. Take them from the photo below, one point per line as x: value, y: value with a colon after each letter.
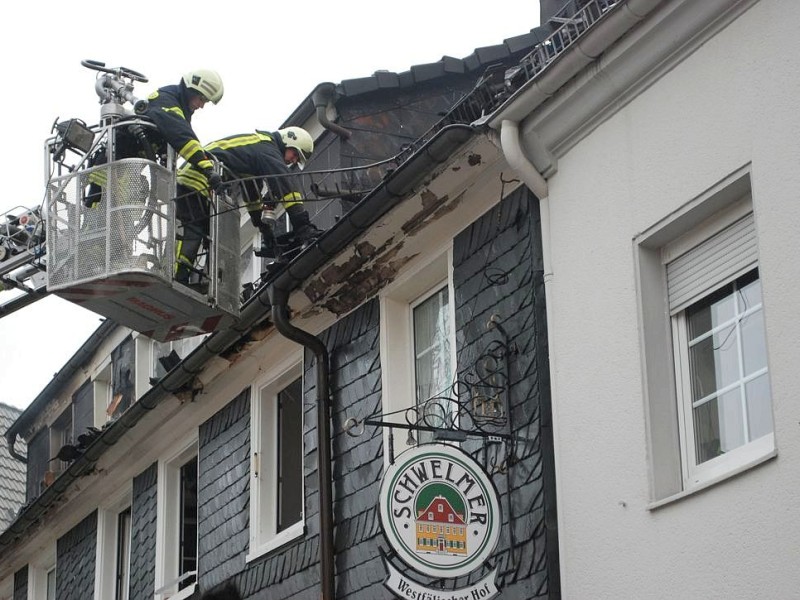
x: 474, y: 406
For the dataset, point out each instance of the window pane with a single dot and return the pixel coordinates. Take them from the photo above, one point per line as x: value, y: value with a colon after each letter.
x: 711, y: 312
x: 728, y: 346
x: 731, y: 420
x: 188, y: 522
x: 706, y: 431
x: 750, y: 291
x: 51, y: 584
x: 432, y: 346
x: 290, y: 457
x: 754, y: 343
x: 123, y: 554
x: 718, y: 426
x: 759, y: 408
x: 714, y: 362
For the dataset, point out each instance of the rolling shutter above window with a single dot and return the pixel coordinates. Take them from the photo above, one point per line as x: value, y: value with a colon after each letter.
x: 718, y: 260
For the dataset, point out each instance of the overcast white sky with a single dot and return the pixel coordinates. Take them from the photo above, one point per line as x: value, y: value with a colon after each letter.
x: 271, y: 55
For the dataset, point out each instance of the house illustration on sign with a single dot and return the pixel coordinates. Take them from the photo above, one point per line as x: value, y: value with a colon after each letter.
x: 440, y: 529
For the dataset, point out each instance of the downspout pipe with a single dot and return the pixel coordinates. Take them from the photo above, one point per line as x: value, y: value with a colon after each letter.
x: 279, y: 297
x: 531, y: 177
x: 515, y: 155
x: 321, y: 97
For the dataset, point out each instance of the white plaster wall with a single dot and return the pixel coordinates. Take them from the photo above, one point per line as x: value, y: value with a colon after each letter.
x: 735, y: 100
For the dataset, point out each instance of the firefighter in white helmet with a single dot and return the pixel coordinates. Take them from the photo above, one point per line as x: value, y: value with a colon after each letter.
x: 253, y: 158
x: 171, y: 108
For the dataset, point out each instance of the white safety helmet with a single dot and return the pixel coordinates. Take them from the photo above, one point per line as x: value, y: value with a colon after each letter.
x: 299, y: 139
x: 205, y: 82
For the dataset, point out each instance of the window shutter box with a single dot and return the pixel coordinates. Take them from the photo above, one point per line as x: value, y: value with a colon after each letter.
x: 718, y: 260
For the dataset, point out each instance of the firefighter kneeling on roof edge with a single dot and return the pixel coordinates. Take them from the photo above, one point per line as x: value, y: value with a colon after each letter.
x: 266, y: 155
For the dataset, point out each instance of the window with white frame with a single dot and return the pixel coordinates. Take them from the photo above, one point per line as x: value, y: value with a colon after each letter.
x: 112, y: 575
x: 166, y: 354
x: 277, y: 502
x: 176, y: 546
x: 61, y: 434
x: 42, y: 577
x: 101, y: 392
x: 708, y: 399
x: 433, y: 364
x: 51, y: 583
x: 123, y: 555
x: 418, y: 350
x: 720, y: 350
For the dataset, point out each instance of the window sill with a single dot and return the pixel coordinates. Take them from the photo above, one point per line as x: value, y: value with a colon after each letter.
x: 275, y: 542
x: 699, y: 487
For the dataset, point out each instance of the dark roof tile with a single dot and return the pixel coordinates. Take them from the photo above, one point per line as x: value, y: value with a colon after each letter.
x: 386, y: 79
x: 490, y: 54
x: 428, y: 71
x: 453, y: 65
x: 362, y: 85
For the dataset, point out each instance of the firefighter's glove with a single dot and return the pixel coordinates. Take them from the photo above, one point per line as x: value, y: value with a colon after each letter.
x: 214, y: 180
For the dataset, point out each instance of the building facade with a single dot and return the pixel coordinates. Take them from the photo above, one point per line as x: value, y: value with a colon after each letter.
x: 575, y: 280
x: 669, y: 292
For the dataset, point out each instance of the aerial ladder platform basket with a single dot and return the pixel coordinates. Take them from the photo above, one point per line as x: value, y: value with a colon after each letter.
x: 111, y: 229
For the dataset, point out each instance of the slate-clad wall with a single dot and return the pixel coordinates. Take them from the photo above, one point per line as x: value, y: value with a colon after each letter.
x: 497, y: 270
x: 21, y: 584
x: 143, y: 534
x: 224, y: 492
x: 75, y: 561
x: 354, y: 346
x: 290, y: 573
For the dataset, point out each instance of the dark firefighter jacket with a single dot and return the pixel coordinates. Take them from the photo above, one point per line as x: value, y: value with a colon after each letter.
x: 258, y: 154
x: 168, y: 108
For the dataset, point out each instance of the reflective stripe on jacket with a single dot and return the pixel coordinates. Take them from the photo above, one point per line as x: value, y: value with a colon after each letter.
x: 168, y: 108
x: 258, y: 154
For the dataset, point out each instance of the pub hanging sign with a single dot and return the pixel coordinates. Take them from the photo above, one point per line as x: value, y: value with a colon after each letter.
x: 441, y: 514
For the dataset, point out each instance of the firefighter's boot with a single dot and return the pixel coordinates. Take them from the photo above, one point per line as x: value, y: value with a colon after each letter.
x: 268, y: 249
x: 304, y: 231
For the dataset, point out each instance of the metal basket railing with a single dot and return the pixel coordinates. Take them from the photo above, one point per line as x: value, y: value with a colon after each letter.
x: 124, y: 223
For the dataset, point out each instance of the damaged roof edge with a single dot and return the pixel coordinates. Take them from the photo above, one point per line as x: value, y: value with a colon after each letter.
x: 83, y: 354
x: 394, y: 189
x: 374, y: 206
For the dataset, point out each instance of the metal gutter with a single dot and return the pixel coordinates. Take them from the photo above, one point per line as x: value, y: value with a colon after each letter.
x: 374, y: 206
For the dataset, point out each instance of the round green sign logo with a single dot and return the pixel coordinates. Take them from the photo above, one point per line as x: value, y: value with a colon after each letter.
x: 439, y: 510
